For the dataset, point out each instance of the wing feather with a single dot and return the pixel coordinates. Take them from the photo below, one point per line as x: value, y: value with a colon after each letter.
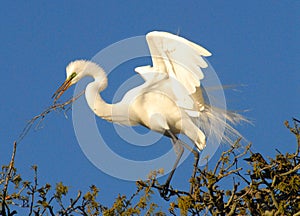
x: 179, y: 58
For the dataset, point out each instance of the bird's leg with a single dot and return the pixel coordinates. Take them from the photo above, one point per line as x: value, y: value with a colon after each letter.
x: 196, y: 160
x: 178, y: 146
x: 194, y: 151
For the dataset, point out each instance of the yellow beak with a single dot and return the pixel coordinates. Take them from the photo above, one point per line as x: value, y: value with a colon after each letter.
x: 59, y: 92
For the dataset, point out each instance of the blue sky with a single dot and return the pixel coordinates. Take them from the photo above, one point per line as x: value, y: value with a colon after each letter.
x: 253, y: 43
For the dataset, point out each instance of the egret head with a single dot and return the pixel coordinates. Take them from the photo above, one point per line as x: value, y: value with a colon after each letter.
x: 75, y: 71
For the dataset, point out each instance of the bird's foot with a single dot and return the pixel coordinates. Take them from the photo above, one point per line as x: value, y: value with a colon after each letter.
x: 165, y: 192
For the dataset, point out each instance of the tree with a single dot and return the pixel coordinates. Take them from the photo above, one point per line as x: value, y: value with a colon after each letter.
x: 272, y: 187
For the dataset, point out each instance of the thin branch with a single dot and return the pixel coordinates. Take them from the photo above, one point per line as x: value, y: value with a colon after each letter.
x: 274, y: 198
x: 128, y: 202
x: 51, y: 210
x: 220, y: 176
x: 42, y: 115
x: 296, y: 168
x: 231, y: 198
x: 72, y: 204
x: 221, y: 159
x: 170, y: 190
x: 296, y: 132
x: 7, y: 178
x: 33, y: 189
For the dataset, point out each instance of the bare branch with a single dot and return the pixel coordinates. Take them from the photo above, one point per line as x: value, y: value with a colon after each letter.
x: 7, y: 178
x: 42, y: 115
x: 33, y: 189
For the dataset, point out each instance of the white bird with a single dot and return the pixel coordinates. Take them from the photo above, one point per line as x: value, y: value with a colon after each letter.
x: 170, y: 101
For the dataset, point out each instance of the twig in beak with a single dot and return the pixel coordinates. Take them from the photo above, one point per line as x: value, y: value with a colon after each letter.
x: 59, y: 92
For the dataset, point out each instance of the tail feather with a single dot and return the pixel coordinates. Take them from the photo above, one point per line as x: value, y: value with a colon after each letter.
x: 218, y: 124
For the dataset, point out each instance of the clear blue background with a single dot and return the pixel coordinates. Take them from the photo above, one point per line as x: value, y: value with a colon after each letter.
x: 255, y: 43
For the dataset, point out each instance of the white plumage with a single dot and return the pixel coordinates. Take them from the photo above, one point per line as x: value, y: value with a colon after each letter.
x: 170, y: 101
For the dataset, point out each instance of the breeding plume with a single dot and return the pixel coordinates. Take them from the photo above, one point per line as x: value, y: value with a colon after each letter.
x: 170, y: 101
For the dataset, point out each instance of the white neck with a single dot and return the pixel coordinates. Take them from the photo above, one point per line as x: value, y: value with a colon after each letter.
x: 118, y: 112
x: 94, y: 100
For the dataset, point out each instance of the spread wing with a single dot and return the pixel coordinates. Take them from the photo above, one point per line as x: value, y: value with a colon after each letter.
x: 179, y: 59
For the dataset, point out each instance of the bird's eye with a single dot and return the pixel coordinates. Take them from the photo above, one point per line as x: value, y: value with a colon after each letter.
x: 74, y: 74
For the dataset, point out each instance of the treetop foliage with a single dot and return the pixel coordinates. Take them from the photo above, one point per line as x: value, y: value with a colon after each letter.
x: 271, y: 186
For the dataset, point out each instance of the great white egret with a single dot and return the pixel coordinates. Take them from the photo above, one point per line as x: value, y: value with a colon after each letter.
x: 170, y: 101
